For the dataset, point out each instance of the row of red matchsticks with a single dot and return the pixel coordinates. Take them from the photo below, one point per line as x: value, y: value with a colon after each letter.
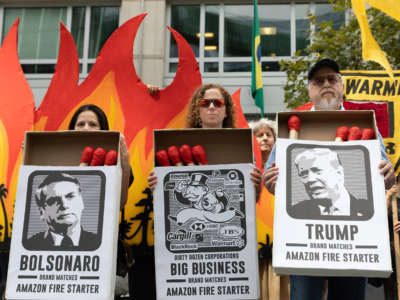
x: 184, y: 155
x: 98, y: 157
x: 343, y: 133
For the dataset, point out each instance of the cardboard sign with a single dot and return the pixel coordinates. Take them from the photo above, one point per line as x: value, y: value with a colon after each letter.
x: 63, y: 245
x: 205, y: 232
x: 330, y: 213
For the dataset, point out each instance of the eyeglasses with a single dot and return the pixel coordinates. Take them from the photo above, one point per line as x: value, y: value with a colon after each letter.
x: 320, y: 80
x: 207, y: 102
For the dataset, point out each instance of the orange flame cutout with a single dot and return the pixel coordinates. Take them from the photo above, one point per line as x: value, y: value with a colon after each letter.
x: 16, y: 99
x: 114, y: 86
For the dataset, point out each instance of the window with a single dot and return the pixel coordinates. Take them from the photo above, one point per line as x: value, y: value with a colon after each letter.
x: 220, y: 35
x: 39, y: 33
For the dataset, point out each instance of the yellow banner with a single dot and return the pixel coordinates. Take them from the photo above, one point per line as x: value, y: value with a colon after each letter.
x: 378, y: 87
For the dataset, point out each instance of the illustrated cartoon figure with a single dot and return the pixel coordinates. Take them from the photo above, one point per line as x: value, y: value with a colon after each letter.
x: 202, y: 204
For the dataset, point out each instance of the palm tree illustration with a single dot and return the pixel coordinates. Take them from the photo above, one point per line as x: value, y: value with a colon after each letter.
x: 143, y: 217
x: 3, y: 195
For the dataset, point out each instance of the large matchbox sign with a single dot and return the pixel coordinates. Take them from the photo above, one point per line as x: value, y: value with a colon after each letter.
x: 46, y: 264
x: 205, y: 232
x: 330, y: 210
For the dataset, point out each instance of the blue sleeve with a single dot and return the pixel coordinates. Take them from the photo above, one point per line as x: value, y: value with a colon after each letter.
x: 271, y: 159
x: 383, y: 148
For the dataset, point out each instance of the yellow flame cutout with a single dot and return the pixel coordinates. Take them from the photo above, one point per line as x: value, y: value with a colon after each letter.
x: 3, y: 154
x: 141, y: 165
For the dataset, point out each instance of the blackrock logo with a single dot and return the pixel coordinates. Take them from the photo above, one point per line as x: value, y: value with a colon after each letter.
x: 179, y: 235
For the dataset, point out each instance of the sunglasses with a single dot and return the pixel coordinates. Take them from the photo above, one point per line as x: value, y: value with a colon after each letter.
x: 320, y: 80
x: 215, y: 102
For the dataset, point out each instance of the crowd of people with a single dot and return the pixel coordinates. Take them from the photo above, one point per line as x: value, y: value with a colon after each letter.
x: 211, y: 106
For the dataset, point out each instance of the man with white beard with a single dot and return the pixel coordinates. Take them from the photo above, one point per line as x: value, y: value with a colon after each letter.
x: 326, y: 90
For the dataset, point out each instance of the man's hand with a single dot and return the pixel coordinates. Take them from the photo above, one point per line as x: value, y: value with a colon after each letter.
x: 270, y: 177
x: 152, y: 181
x: 386, y: 170
x: 256, y: 177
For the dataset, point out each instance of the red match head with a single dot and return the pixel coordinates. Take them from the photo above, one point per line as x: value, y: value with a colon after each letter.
x: 354, y: 133
x: 162, y: 158
x: 87, y: 155
x: 342, y: 132
x: 200, y: 155
x: 367, y: 134
x: 174, y: 156
x: 111, y: 158
x: 186, y: 154
x: 294, y: 123
x: 98, y: 157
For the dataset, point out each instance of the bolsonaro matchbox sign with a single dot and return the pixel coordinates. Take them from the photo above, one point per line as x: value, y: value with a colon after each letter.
x: 330, y: 210
x: 63, y: 245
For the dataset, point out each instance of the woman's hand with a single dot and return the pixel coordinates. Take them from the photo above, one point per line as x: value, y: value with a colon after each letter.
x: 126, y: 168
x: 396, y: 227
x: 270, y: 177
x: 256, y: 177
x: 152, y: 181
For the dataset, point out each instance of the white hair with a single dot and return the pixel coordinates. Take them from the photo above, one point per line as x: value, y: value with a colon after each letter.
x: 263, y: 123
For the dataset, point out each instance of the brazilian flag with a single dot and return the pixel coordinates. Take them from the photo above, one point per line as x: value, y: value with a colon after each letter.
x: 256, y: 74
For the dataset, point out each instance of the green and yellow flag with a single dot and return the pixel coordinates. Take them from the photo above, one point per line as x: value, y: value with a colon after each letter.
x: 256, y: 74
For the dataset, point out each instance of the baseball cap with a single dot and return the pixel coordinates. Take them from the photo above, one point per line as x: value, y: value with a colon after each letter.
x: 323, y: 63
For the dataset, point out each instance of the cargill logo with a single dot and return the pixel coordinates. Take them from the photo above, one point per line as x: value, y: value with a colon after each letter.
x: 179, y: 235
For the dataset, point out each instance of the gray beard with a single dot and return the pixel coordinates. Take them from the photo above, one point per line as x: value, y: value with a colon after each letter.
x: 324, y: 104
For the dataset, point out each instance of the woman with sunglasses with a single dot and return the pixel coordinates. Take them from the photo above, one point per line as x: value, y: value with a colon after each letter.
x: 211, y: 106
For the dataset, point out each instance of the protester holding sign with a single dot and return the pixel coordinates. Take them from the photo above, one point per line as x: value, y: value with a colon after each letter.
x: 91, y: 117
x: 264, y: 132
x: 272, y: 285
x: 211, y: 107
x: 326, y: 93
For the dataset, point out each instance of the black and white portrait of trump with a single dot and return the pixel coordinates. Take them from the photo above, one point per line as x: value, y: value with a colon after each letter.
x: 322, y: 173
x: 59, y: 200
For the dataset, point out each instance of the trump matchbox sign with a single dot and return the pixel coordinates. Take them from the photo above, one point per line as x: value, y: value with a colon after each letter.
x: 63, y: 244
x: 330, y: 209
x: 205, y: 232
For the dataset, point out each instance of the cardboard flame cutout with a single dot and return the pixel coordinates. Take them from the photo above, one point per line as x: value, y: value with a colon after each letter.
x: 16, y: 116
x: 114, y: 86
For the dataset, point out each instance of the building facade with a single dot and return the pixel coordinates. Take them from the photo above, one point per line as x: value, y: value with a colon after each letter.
x: 219, y: 33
